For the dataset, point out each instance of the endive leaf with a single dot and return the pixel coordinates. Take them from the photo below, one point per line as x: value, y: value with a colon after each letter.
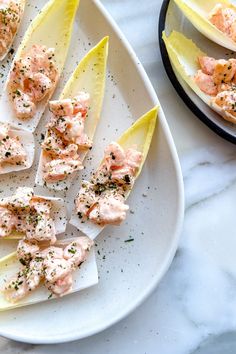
x: 197, y: 12
x: 183, y: 54
x: 52, y: 28
x: 84, y: 276
x: 139, y: 135
x: 90, y: 77
x: 58, y: 213
x: 22, y: 8
x: 27, y: 140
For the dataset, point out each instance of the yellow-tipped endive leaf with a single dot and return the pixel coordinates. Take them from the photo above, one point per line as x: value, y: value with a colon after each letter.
x: 58, y: 214
x: 197, y: 12
x: 83, y: 277
x: 21, y: 13
x: 52, y: 28
x: 90, y: 77
x: 183, y: 54
x: 27, y: 140
x: 139, y: 135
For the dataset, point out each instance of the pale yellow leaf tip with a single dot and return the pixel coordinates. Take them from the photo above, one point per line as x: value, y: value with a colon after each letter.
x: 49, y: 7
x: 101, y: 46
x: 145, y: 124
x: 151, y: 116
x: 103, y: 41
x: 71, y: 5
x: 149, y: 120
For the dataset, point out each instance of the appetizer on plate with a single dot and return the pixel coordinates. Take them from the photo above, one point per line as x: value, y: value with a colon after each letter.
x: 16, y: 149
x: 101, y: 201
x: 214, y: 81
x: 73, y: 121
x: 32, y: 217
x: 11, y: 13
x: 37, y: 272
x: 223, y: 17
x: 38, y: 64
x: 215, y: 19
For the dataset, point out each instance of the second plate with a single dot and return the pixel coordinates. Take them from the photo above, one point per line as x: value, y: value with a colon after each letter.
x: 172, y: 19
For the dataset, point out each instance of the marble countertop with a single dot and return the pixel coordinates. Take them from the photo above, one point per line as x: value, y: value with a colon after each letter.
x: 195, y: 302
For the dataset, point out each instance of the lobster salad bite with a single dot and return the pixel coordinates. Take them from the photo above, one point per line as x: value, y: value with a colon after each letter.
x: 223, y: 17
x: 73, y: 121
x: 65, y: 138
x: 215, y: 19
x: 52, y: 266
x: 217, y: 78
x: 32, y: 217
x: 102, y: 200
x: 33, y: 78
x: 11, y: 12
x: 213, y: 80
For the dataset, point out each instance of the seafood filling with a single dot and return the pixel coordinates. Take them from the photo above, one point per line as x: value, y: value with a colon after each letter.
x: 53, y: 266
x: 28, y: 214
x: 224, y: 18
x: 217, y: 78
x: 103, y: 199
x: 66, y: 139
x: 11, y: 149
x: 32, y: 78
x: 10, y: 16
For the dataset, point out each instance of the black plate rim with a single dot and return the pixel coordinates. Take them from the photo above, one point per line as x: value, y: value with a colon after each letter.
x: 179, y: 89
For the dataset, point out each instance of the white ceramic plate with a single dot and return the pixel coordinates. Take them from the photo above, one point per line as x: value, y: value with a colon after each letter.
x: 172, y: 19
x: 128, y: 271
